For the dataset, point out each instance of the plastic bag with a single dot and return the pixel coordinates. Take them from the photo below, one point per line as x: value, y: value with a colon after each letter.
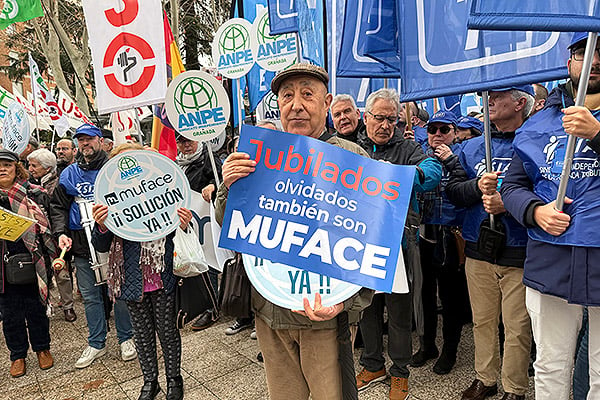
x: 188, y: 256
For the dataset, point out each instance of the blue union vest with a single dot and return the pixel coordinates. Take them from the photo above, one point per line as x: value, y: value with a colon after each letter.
x: 472, y: 158
x: 541, y: 143
x: 78, y: 182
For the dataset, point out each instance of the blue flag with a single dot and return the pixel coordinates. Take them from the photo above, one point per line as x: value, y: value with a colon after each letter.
x: 441, y: 57
x: 311, y: 205
x: 368, y: 27
x: 283, y: 16
x: 556, y: 15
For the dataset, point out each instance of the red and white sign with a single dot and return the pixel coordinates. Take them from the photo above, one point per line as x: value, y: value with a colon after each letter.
x: 71, y: 111
x: 128, y: 53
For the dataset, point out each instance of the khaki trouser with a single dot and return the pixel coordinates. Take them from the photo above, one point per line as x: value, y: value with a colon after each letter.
x: 495, y: 290
x: 299, y: 362
x: 65, y: 287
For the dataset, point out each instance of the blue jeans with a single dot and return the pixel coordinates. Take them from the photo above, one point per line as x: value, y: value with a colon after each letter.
x: 581, y: 374
x: 94, y: 308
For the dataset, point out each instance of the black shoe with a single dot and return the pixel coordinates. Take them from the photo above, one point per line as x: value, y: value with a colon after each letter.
x: 175, y: 388
x: 422, y: 356
x: 206, y: 320
x: 239, y: 325
x: 444, y: 364
x: 149, y: 390
x: 259, y: 357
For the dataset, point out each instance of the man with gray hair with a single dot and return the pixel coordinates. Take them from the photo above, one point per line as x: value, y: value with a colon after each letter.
x: 383, y: 141
x: 42, y: 167
x: 346, y: 118
x: 495, y: 251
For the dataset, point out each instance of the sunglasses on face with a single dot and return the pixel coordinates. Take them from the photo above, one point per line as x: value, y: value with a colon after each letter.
x: 444, y: 129
x: 381, y: 118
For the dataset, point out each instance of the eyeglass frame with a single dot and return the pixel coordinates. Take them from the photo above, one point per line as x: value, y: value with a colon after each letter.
x: 380, y: 118
x: 578, y: 50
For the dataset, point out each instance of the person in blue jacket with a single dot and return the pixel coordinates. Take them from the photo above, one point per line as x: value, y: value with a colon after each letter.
x: 386, y: 143
x: 443, y: 271
x: 495, y: 254
x: 561, y: 273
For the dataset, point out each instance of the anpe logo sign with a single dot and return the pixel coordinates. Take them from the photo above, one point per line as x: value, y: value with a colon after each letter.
x: 273, y: 53
x: 129, y: 167
x: 197, y: 106
x: 232, y: 49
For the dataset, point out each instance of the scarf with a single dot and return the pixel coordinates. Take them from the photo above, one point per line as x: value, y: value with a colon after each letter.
x: 151, y: 261
x: 184, y: 160
x: 23, y: 205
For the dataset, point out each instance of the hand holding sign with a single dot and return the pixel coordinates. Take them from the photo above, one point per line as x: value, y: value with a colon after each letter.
x: 237, y: 166
x: 185, y: 216
x: 100, y: 212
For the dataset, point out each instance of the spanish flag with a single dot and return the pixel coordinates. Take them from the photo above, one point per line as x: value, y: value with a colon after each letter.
x: 163, y: 134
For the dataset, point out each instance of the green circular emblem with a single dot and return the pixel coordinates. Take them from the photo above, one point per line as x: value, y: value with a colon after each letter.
x: 10, y: 10
x: 193, y: 94
x: 126, y: 163
x: 234, y: 38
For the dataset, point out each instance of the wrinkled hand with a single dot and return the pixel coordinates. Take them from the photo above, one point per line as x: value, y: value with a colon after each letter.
x: 488, y: 183
x: 207, y: 192
x: 443, y: 152
x: 580, y: 122
x: 320, y: 313
x: 550, y: 219
x: 493, y: 204
x: 64, y: 242
x: 236, y: 166
x: 185, y: 216
x: 99, y: 213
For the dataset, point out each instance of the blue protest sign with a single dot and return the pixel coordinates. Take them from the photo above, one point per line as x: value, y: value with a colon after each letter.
x: 143, y: 190
x: 319, y: 208
x: 287, y: 286
x: 364, y: 25
x: 283, y: 16
x: 567, y: 16
x: 440, y: 57
x: 15, y: 129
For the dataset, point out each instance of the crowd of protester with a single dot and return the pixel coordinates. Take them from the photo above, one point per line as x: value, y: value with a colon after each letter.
x: 488, y: 246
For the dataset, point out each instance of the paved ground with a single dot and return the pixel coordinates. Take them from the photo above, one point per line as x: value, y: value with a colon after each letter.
x: 215, y: 366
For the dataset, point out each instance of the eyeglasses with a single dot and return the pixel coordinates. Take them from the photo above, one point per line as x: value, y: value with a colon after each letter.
x: 381, y: 118
x: 444, y: 129
x: 579, y: 54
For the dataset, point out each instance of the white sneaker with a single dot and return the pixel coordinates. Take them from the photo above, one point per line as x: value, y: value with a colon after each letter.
x: 253, y: 335
x: 89, y: 355
x: 128, y: 351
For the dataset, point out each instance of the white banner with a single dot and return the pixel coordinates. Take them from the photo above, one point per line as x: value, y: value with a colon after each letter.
x: 128, y: 52
x: 71, y: 111
x: 41, y: 92
x: 44, y: 121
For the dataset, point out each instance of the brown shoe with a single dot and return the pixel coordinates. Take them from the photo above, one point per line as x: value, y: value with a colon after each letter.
x: 70, y: 315
x: 512, y: 396
x: 365, y: 378
x: 45, y: 359
x: 398, y: 388
x: 17, y: 368
x: 478, y: 391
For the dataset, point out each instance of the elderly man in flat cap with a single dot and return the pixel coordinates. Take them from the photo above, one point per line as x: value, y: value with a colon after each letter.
x: 300, y: 349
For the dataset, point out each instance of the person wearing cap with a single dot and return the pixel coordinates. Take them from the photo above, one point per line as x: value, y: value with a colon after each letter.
x: 77, y: 181
x: 24, y: 294
x: 107, y: 142
x: 468, y: 128
x: 194, y: 159
x: 561, y: 271
x: 385, y: 142
x: 443, y: 271
x: 494, y: 254
x: 346, y: 118
x: 300, y: 349
x: 42, y: 168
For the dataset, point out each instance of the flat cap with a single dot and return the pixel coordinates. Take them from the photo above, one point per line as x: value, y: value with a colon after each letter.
x: 299, y: 69
x: 8, y: 155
